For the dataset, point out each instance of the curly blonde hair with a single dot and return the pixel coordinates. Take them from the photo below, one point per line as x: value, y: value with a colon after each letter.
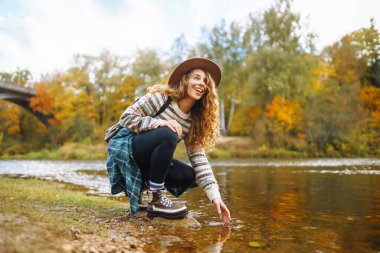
x: 204, y: 128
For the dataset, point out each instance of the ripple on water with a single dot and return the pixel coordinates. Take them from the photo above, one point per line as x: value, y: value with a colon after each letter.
x: 215, y: 223
x: 329, y: 162
x: 342, y: 172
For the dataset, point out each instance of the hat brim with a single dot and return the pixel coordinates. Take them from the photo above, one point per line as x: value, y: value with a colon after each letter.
x: 195, y: 63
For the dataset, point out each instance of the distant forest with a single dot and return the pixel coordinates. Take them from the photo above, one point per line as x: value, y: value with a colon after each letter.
x: 276, y: 88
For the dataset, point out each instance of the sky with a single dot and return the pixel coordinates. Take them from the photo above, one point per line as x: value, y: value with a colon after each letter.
x: 43, y: 35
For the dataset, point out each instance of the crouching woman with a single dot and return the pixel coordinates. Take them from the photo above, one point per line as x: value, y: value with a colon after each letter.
x: 140, y: 154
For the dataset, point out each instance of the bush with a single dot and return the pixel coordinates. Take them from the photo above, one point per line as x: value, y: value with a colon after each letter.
x: 82, y: 151
x: 17, y: 149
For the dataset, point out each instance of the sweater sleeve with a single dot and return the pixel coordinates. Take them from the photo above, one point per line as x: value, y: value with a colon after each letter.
x: 203, y: 173
x: 139, y: 116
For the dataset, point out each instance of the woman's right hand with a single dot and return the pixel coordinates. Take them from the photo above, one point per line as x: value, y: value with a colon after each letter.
x: 223, y: 211
x: 173, y: 125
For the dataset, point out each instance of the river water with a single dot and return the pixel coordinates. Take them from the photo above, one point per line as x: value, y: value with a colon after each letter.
x: 314, y: 205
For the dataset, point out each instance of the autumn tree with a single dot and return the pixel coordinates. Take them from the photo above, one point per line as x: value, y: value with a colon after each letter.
x: 20, y: 77
x: 224, y: 44
x: 353, y: 63
x: 149, y: 68
x: 280, y: 63
x: 43, y: 101
x: 355, y: 56
x: 91, y: 95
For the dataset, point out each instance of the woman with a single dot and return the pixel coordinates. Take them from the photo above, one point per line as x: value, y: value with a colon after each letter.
x: 140, y: 156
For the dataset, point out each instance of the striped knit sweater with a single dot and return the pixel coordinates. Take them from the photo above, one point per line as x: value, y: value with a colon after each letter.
x: 139, y: 118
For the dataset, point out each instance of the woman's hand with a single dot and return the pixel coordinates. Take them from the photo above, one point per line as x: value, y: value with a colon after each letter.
x: 223, y: 211
x: 173, y: 125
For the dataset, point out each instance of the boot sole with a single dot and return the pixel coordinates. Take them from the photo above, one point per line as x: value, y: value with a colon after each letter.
x: 142, y: 208
x: 172, y: 216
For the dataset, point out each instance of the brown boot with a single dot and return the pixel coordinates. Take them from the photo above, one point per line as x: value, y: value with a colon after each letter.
x: 144, y: 198
x: 162, y: 206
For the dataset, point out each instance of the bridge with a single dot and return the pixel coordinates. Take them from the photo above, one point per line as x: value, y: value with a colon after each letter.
x: 20, y: 96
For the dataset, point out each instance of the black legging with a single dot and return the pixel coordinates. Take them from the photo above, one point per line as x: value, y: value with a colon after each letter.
x: 153, y: 152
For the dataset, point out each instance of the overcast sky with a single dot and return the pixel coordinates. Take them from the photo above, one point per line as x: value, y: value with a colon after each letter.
x: 43, y: 35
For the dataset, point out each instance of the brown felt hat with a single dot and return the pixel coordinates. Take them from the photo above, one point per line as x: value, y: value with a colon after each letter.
x: 195, y: 63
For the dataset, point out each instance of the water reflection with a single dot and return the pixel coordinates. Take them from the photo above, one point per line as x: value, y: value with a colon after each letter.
x: 217, y: 243
x: 280, y: 206
x: 288, y: 211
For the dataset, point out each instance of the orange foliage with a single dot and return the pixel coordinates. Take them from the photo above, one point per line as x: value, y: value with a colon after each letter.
x: 370, y: 98
x: 375, y: 121
x: 285, y: 111
x: 43, y: 101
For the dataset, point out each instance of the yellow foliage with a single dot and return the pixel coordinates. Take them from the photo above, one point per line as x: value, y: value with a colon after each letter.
x: 320, y: 74
x: 9, y: 118
x: 347, y: 59
x: 285, y: 111
x: 13, y: 129
x: 70, y: 99
x: 244, y: 119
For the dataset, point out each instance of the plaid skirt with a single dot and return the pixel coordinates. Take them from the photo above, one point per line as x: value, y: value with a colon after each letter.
x: 123, y: 172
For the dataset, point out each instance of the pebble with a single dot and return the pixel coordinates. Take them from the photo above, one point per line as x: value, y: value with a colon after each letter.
x: 67, y: 248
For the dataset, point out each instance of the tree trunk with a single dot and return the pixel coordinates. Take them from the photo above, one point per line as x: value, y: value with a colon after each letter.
x: 223, y: 130
x: 232, y: 110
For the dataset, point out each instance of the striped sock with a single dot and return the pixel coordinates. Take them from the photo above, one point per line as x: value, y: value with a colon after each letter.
x: 156, y: 186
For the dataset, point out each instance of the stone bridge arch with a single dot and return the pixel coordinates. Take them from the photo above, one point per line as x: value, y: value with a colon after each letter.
x: 20, y: 96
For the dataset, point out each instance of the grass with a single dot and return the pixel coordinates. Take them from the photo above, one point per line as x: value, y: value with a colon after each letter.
x: 241, y: 148
x: 72, y: 151
x: 69, y: 151
x: 37, y: 215
x: 18, y: 191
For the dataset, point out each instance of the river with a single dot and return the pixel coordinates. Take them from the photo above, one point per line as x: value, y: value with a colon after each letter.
x: 313, y: 205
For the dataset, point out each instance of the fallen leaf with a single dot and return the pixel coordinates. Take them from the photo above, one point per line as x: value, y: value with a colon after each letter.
x: 255, y: 244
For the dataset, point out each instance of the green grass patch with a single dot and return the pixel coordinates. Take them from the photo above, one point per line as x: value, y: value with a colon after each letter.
x: 18, y: 191
x: 43, y: 212
x: 72, y: 151
x: 240, y: 148
x: 42, y: 154
x: 69, y: 151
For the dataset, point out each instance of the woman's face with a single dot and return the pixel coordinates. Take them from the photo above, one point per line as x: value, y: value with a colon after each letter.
x: 197, y: 84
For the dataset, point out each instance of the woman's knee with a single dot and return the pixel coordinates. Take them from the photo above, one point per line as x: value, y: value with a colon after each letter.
x: 167, y: 137
x: 180, y: 175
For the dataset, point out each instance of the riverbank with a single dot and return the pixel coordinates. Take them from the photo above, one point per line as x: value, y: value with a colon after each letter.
x: 226, y: 148
x: 42, y: 216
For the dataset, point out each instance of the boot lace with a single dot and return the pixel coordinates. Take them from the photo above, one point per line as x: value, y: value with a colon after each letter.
x: 165, y: 200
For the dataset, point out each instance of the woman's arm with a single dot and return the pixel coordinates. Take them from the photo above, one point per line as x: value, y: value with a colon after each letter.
x: 206, y: 179
x: 139, y: 116
x: 203, y: 173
